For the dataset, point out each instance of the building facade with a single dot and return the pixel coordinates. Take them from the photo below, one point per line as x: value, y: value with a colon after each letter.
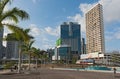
x: 83, y: 46
x: 95, y: 30
x: 71, y: 35
x: 50, y: 54
x: 63, y: 53
x: 1, y: 40
x: 12, y: 48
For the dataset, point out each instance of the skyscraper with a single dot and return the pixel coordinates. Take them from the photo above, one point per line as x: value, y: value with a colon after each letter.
x: 95, y: 30
x: 71, y: 36
x: 83, y: 46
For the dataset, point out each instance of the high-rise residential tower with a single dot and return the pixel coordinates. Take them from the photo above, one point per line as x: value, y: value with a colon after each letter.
x: 95, y: 30
x: 71, y: 36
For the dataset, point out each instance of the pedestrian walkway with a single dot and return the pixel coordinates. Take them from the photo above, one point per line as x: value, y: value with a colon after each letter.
x: 8, y: 71
x: 4, y: 71
x: 62, y: 74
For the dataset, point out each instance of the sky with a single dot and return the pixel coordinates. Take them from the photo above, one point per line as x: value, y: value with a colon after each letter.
x: 46, y: 16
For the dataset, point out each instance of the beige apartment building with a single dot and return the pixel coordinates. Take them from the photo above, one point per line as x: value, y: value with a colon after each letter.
x: 95, y: 30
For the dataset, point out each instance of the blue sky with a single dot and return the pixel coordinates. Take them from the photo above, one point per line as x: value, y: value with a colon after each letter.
x: 47, y: 15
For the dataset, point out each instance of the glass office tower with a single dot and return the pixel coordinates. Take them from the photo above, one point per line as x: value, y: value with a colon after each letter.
x: 71, y: 36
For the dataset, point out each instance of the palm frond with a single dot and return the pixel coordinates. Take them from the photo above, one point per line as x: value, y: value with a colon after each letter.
x: 31, y: 43
x: 1, y: 26
x: 10, y: 37
x: 36, y: 52
x: 27, y: 32
x: 3, y: 3
x: 14, y: 14
x: 20, y: 35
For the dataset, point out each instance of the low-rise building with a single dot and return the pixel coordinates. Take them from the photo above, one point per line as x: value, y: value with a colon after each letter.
x: 112, y: 59
x: 62, y: 52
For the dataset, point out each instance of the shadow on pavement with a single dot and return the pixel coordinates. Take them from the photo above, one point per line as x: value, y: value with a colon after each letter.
x: 117, y: 76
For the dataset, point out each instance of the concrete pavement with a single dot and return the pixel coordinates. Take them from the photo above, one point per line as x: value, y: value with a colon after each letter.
x: 62, y: 74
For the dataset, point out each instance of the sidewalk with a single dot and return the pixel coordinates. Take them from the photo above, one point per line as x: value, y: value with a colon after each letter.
x: 2, y: 72
x: 8, y: 71
x: 61, y: 74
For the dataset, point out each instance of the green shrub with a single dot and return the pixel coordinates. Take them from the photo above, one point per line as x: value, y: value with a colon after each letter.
x: 9, y: 65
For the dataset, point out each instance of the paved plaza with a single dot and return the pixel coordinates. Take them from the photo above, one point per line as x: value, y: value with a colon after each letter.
x: 61, y: 74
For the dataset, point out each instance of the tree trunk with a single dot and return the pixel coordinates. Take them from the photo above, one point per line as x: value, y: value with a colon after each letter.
x: 36, y: 63
x: 19, y: 61
x: 29, y: 61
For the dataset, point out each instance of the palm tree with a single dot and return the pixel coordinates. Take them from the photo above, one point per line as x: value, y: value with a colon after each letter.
x: 36, y: 55
x: 28, y: 49
x: 19, y: 38
x: 24, y: 43
x: 13, y: 14
x: 44, y: 56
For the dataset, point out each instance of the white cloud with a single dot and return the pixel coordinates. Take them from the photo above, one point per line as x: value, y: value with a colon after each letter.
x: 80, y: 19
x: 86, y: 7
x: 52, y: 31
x: 44, y: 35
x: 35, y: 31
x: 111, y: 10
x: 48, y: 35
